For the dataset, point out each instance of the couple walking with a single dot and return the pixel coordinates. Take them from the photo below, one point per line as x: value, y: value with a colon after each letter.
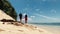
x: 20, y: 15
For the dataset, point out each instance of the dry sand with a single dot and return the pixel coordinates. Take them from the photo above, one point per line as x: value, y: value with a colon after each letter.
x: 5, y: 16
x: 23, y: 29
x: 53, y: 29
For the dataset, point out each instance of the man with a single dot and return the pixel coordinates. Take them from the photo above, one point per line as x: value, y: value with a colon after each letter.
x: 26, y: 19
x: 20, y: 15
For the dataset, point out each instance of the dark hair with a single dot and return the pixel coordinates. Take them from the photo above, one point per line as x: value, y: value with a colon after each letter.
x: 25, y: 15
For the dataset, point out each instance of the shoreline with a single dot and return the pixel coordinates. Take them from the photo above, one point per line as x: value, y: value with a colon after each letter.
x: 51, y: 28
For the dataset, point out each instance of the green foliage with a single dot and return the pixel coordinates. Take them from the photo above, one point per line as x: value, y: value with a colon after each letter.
x: 8, y: 9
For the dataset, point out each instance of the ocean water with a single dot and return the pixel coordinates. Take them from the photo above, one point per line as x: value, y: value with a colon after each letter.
x: 50, y: 24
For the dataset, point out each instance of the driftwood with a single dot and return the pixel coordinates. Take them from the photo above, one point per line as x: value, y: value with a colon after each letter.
x: 11, y: 22
x: 6, y: 20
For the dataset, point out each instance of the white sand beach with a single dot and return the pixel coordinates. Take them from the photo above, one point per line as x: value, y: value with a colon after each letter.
x: 23, y: 29
x: 53, y: 29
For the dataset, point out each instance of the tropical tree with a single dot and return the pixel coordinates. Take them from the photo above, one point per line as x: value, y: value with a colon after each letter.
x: 8, y: 8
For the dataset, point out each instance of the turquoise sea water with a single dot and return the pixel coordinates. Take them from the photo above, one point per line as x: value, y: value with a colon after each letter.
x: 50, y: 24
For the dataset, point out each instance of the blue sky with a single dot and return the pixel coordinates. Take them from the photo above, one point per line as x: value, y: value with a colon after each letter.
x: 38, y: 10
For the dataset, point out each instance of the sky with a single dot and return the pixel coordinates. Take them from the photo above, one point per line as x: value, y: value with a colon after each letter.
x: 41, y: 11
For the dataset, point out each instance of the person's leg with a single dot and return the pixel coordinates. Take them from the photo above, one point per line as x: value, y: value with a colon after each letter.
x: 25, y: 21
x: 20, y: 20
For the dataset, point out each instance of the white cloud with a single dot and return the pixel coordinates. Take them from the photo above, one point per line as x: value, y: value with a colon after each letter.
x: 37, y: 9
x: 32, y: 16
x: 47, y: 17
x: 53, y: 11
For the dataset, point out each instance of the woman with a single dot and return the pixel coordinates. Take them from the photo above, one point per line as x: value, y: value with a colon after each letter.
x: 26, y: 19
